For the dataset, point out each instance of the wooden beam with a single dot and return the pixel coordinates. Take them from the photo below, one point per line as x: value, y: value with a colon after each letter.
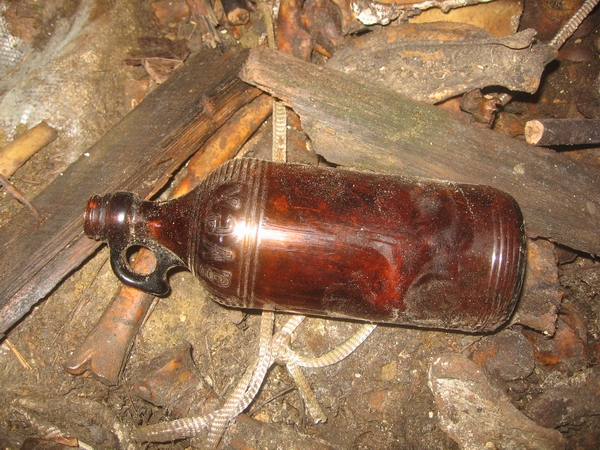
x: 354, y: 122
x: 139, y: 154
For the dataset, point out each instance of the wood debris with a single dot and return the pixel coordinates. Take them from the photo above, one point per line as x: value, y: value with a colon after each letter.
x: 392, y: 132
x: 17, y: 153
x: 160, y: 56
x: 202, y: 14
x: 433, y: 62
x: 24, y: 147
x: 552, y: 132
x: 542, y: 293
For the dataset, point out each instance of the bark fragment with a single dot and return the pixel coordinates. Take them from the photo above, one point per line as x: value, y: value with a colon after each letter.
x: 433, y: 62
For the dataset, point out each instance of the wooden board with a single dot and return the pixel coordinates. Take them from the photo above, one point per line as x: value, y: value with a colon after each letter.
x: 354, y: 122
x: 139, y: 154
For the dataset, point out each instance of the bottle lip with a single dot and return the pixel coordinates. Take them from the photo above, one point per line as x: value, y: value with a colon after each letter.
x: 104, y: 215
x: 94, y: 218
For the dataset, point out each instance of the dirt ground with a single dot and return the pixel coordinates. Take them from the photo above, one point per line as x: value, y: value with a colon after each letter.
x: 533, y: 384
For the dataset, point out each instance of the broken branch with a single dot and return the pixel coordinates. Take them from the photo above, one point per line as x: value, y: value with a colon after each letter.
x: 24, y: 147
x: 549, y: 132
x: 225, y: 143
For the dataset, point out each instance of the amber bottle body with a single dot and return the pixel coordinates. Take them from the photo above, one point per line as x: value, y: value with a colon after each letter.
x: 330, y: 242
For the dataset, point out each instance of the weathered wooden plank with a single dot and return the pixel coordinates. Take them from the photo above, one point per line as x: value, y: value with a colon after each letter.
x: 139, y: 154
x: 357, y: 123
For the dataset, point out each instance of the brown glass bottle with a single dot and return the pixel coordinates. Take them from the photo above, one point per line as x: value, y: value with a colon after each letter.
x: 329, y: 242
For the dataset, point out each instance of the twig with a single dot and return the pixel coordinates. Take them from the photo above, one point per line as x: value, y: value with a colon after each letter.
x: 33, y: 350
x: 548, y: 132
x: 225, y: 143
x: 86, y: 293
x: 17, y: 153
x: 20, y: 358
x: 82, y: 298
x: 128, y: 393
x: 19, y: 196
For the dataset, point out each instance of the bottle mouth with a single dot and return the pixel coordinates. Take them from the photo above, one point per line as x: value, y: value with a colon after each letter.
x: 109, y: 215
x: 94, y: 218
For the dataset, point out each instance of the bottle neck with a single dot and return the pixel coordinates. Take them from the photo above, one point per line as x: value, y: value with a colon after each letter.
x: 125, y: 221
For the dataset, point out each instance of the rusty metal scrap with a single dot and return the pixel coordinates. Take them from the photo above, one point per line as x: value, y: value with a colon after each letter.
x: 436, y: 61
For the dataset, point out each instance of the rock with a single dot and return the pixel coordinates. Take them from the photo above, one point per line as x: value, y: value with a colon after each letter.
x: 566, y: 351
x: 542, y: 294
x: 476, y: 415
x: 568, y: 402
x: 507, y: 354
